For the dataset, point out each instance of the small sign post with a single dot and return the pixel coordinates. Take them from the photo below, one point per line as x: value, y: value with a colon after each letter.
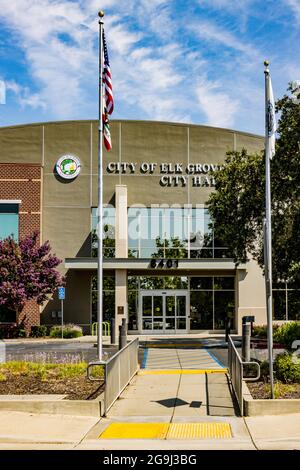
x: 61, y: 296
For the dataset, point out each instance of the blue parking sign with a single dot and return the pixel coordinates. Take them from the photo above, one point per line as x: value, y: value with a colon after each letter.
x: 61, y: 293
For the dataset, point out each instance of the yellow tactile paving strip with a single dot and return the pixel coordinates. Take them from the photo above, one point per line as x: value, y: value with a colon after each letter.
x: 182, y: 371
x: 199, y: 431
x: 135, y: 431
x: 167, y: 431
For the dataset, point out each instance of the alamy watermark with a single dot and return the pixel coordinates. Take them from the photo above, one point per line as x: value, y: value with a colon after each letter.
x: 2, y: 92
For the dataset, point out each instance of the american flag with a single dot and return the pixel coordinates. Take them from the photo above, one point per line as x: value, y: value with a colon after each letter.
x: 106, y: 131
x: 108, y: 93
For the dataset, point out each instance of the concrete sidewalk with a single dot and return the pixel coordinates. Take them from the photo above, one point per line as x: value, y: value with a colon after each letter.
x: 18, y: 430
x: 32, y: 432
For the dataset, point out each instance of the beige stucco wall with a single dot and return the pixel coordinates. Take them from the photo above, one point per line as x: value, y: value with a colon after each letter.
x: 66, y: 211
x: 251, y: 295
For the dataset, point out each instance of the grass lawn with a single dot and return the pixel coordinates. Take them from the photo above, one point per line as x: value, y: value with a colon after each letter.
x: 17, y: 377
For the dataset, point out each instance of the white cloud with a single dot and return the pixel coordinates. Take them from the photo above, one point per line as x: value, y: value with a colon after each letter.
x: 227, y: 4
x: 218, y: 106
x: 62, y: 68
x: 57, y: 66
x: 213, y: 33
x: 156, y: 56
x: 295, y: 7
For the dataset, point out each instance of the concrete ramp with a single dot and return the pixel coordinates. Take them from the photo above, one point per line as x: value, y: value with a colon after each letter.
x: 173, y: 358
x: 179, y: 394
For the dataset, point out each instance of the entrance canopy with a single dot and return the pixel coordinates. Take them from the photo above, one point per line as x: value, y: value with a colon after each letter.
x: 145, y: 264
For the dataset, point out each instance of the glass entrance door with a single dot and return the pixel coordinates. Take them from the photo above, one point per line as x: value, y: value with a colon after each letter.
x: 163, y: 312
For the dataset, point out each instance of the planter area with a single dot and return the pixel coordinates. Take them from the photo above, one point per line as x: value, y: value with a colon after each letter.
x: 261, y: 390
x: 25, y: 378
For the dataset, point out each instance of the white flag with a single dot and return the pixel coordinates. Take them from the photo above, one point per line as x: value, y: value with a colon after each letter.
x: 271, y: 120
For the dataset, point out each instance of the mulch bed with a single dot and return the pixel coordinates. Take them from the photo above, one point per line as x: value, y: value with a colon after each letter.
x: 259, y: 390
x: 75, y: 388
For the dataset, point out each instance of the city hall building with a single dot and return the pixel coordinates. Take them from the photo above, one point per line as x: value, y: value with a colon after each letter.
x: 164, y: 271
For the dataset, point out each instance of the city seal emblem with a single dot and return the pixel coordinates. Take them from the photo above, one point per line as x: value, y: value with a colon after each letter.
x: 68, y: 167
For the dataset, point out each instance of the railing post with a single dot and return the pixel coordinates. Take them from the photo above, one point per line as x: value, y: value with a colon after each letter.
x: 246, y: 333
x: 105, y: 392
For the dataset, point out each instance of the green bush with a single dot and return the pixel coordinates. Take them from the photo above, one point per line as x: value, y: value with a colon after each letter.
x: 264, y: 370
x: 287, y: 369
x: 287, y: 333
x: 21, y: 333
x: 39, y: 331
x: 261, y: 331
x: 69, y: 331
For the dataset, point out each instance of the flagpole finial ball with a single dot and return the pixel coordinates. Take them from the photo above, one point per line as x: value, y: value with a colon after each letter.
x: 101, y: 14
x: 266, y: 63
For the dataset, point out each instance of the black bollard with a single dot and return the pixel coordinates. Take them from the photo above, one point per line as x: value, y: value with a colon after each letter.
x: 112, y: 331
x: 227, y: 328
x: 246, y: 334
x: 122, y: 334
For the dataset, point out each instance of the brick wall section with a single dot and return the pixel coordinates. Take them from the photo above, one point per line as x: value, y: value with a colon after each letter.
x: 24, y: 182
x: 30, y: 316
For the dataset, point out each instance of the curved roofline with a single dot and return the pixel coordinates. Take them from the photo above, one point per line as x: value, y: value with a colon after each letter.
x: 131, y: 121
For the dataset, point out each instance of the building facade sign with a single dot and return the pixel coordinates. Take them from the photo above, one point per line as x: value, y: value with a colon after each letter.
x: 68, y: 167
x: 172, y: 174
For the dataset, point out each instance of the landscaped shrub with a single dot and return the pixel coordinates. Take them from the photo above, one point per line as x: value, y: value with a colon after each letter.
x: 21, y: 333
x: 7, y: 331
x: 69, y: 331
x: 11, y: 330
x: 287, y: 369
x: 39, y: 331
x: 264, y: 370
x: 261, y: 331
x: 287, y: 333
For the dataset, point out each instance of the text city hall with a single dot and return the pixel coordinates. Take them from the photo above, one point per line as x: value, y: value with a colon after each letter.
x: 172, y: 174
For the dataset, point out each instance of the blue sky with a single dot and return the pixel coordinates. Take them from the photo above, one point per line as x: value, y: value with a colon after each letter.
x: 199, y: 61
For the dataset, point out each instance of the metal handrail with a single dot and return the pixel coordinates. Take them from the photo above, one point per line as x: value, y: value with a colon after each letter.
x: 121, y: 350
x: 105, y: 363
x: 119, y: 370
x: 236, y: 370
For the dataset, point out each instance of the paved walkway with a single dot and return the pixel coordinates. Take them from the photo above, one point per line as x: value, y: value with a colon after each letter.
x: 180, y: 358
x: 181, y: 395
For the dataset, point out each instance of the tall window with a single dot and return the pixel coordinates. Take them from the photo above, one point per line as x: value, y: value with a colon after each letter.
x: 172, y: 233
x: 109, y: 222
x: 212, y: 299
x: 286, y: 301
x: 108, y: 298
x: 9, y: 220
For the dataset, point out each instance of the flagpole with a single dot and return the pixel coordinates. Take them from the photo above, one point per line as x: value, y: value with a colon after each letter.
x: 268, y: 231
x: 100, y: 196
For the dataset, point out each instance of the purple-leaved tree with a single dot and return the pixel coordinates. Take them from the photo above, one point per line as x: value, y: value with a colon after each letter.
x: 27, y: 272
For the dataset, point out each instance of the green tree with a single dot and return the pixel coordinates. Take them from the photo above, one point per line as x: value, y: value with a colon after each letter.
x: 237, y: 206
x: 170, y: 248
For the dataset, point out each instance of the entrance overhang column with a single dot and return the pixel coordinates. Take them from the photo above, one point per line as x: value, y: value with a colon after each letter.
x: 121, y: 240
